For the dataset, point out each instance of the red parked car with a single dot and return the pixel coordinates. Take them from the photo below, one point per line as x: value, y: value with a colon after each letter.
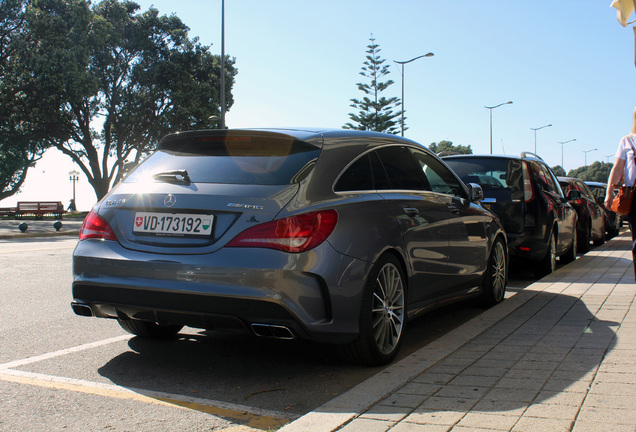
x: 591, y: 224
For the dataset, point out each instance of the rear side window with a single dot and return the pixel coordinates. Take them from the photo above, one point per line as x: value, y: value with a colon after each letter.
x: 233, y: 160
x: 598, y: 191
x: 402, y: 170
x: 358, y: 177
x: 492, y: 174
x: 586, y: 191
x: 546, y: 179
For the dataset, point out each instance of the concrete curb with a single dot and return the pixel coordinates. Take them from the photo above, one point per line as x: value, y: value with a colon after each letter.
x: 596, y: 271
x: 342, y: 409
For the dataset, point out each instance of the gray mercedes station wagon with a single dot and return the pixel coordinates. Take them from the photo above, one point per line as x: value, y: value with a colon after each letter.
x: 328, y: 235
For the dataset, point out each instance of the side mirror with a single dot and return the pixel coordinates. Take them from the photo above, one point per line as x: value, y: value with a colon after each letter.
x: 475, y: 192
x: 574, y: 195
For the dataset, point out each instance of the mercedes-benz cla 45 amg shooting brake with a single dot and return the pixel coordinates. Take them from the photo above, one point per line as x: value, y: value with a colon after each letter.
x: 327, y: 235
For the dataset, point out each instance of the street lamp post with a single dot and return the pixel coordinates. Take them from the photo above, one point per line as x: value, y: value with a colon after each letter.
x: 73, y: 177
x: 492, y: 108
x: 430, y: 54
x: 222, y: 64
x: 586, y: 152
x: 535, y: 135
x: 562, y: 144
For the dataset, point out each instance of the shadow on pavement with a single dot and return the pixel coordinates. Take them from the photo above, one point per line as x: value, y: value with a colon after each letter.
x: 540, y: 352
x: 546, y: 352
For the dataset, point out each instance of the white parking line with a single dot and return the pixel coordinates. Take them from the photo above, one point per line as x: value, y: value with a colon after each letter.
x: 252, y: 417
x: 13, y: 251
x: 47, y: 356
x: 249, y: 416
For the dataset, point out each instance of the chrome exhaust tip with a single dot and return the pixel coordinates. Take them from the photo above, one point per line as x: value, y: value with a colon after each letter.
x: 82, y: 309
x: 272, y: 331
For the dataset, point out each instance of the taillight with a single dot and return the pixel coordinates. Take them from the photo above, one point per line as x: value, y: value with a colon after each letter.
x: 94, y: 227
x: 528, y: 191
x: 292, y: 234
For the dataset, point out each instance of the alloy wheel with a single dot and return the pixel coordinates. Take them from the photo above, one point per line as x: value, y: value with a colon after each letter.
x: 388, y: 308
x: 499, y: 272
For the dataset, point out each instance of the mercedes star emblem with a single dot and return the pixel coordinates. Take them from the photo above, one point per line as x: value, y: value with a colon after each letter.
x: 170, y: 200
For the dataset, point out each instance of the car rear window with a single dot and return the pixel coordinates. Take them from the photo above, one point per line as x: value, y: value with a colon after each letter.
x: 233, y: 160
x: 490, y: 173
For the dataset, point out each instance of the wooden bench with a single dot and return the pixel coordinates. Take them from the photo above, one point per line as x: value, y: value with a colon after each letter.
x: 40, y: 208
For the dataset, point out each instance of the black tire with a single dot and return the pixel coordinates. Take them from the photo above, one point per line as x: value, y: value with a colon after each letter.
x: 493, y: 286
x: 149, y: 329
x: 548, y: 263
x: 584, y: 239
x: 601, y: 240
x: 570, y: 255
x: 382, y: 314
x: 615, y: 228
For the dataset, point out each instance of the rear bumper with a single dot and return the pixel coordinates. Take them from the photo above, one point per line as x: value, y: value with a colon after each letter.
x: 526, y: 246
x: 229, y: 290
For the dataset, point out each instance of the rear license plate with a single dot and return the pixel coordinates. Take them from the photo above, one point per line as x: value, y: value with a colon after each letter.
x: 173, y: 224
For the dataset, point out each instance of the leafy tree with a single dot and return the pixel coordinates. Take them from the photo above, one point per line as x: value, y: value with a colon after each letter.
x: 21, y: 109
x: 598, y: 171
x: 119, y: 81
x: 447, y: 146
x: 375, y: 112
x: 558, y: 171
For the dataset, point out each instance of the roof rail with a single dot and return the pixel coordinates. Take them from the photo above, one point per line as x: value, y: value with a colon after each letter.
x: 526, y: 154
x: 447, y: 153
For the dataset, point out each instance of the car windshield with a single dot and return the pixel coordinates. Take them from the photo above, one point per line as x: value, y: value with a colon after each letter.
x: 489, y: 173
x: 235, y: 161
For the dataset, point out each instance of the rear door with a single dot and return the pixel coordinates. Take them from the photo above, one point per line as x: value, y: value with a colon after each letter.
x: 468, y: 250
x: 557, y: 205
x: 422, y: 216
x: 596, y: 211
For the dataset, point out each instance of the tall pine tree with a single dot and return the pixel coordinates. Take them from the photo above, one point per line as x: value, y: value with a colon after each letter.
x: 375, y: 112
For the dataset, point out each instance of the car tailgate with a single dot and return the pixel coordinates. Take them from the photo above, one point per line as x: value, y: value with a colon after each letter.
x: 174, y: 219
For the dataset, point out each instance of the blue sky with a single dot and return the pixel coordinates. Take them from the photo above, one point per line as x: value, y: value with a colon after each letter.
x: 568, y: 63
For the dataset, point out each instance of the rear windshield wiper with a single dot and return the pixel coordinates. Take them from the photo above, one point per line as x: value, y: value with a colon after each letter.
x: 178, y: 176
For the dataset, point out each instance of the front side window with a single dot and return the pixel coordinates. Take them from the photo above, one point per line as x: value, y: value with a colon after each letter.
x: 438, y: 176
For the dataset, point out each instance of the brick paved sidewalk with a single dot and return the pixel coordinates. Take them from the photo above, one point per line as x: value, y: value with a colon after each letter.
x: 560, y: 355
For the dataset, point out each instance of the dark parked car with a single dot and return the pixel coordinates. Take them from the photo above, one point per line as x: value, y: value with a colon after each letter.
x: 591, y: 224
x: 526, y: 196
x: 328, y: 235
x: 613, y: 222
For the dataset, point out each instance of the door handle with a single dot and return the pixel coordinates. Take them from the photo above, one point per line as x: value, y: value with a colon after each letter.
x: 453, y: 209
x: 411, y: 211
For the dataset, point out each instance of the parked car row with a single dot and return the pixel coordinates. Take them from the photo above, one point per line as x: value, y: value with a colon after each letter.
x: 537, y: 216
x: 327, y: 235
x: 591, y: 225
x: 613, y: 221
